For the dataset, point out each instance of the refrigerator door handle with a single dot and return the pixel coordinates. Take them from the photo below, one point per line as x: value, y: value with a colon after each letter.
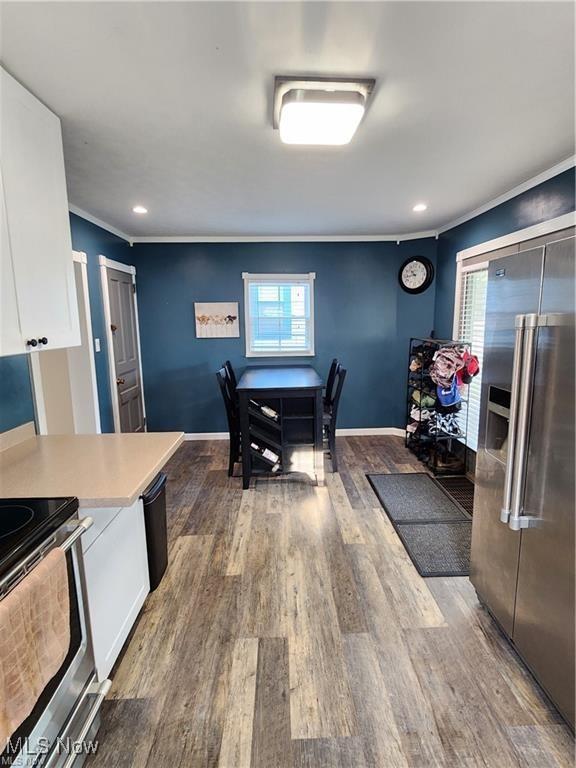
x: 517, y: 520
x: 514, y: 402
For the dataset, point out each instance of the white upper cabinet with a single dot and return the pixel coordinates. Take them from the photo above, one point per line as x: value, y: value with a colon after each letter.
x: 36, y: 260
x: 11, y: 342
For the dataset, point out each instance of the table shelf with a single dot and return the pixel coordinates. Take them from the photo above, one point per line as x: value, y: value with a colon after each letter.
x: 295, y: 392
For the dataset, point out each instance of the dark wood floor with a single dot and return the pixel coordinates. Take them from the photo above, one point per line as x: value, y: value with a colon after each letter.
x: 292, y: 631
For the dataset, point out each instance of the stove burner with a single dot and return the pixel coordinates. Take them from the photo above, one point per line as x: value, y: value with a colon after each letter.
x: 13, y: 518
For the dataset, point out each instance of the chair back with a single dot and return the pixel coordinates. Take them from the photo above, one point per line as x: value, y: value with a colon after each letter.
x: 231, y: 411
x: 339, y: 378
x: 330, y: 381
x: 231, y: 375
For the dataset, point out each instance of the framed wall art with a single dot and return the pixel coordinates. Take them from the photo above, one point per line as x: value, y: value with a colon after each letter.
x: 216, y: 319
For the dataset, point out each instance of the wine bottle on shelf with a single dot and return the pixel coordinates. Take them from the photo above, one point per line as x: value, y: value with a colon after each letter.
x: 267, y: 454
x: 266, y: 410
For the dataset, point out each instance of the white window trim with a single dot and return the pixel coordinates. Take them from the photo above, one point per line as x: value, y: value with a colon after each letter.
x: 461, y: 269
x: 270, y: 277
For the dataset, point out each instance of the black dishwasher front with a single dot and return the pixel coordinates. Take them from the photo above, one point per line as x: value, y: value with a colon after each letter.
x: 154, y: 498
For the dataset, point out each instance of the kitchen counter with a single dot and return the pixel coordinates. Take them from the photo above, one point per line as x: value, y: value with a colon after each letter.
x: 101, y: 470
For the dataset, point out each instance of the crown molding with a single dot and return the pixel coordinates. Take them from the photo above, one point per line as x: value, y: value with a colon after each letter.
x: 284, y: 238
x: 565, y: 165
x: 99, y: 223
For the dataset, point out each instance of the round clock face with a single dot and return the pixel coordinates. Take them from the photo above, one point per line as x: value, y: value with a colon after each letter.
x: 416, y: 274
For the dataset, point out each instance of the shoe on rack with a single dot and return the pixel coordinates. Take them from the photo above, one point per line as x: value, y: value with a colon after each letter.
x: 420, y: 414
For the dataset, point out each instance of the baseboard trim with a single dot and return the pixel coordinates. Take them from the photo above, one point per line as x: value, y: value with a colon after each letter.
x: 358, y: 431
x: 206, y: 436
x: 355, y: 432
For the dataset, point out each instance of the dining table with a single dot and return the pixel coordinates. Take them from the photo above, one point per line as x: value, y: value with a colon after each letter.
x: 281, y: 421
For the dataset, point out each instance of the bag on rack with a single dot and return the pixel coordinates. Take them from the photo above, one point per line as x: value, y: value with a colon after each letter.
x: 449, y: 395
x: 470, y: 369
x: 447, y: 362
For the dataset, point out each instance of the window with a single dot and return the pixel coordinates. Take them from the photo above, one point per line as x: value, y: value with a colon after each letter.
x: 279, y: 314
x: 470, y: 328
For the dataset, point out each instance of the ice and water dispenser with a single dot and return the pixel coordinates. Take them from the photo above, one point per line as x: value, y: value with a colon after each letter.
x: 497, y: 422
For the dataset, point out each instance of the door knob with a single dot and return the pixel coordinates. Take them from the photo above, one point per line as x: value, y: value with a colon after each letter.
x: 120, y: 381
x: 113, y: 327
x: 43, y: 340
x: 31, y: 343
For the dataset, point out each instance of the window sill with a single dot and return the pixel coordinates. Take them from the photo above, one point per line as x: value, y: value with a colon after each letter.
x: 280, y: 354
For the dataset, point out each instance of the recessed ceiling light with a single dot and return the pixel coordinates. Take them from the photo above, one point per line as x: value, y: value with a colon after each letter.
x: 140, y: 209
x: 319, y: 111
x: 419, y: 207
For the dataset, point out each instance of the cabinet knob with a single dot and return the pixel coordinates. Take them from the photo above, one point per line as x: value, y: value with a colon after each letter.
x: 31, y: 343
x: 43, y: 340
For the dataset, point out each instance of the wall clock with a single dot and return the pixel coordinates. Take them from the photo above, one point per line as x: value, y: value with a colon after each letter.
x: 416, y: 274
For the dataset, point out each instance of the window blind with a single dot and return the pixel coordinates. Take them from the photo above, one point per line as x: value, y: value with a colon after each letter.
x: 471, y: 329
x: 279, y: 316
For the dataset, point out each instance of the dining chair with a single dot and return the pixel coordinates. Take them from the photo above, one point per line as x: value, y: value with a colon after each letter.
x: 330, y: 380
x: 232, y: 417
x: 231, y: 374
x: 331, y: 413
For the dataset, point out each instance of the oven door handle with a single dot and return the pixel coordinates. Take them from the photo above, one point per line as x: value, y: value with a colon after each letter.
x: 99, y: 691
x: 23, y: 568
x: 79, y: 530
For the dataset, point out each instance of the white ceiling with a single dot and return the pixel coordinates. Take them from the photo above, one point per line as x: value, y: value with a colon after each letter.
x: 169, y: 105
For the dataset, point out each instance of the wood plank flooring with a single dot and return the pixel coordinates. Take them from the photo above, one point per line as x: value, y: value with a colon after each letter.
x: 292, y: 631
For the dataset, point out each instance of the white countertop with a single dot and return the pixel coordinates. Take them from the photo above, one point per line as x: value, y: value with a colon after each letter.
x: 101, y: 470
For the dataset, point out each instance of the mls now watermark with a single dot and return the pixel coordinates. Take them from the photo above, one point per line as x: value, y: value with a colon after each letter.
x: 22, y: 752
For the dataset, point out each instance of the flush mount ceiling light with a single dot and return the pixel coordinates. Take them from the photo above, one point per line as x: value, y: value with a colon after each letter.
x: 140, y: 209
x: 419, y: 207
x: 320, y: 110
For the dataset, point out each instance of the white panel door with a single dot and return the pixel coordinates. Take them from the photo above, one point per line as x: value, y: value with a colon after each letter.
x: 37, y: 216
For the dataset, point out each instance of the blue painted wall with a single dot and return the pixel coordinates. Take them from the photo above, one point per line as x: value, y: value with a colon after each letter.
x: 361, y: 316
x: 95, y: 241
x: 16, y: 403
x: 552, y: 198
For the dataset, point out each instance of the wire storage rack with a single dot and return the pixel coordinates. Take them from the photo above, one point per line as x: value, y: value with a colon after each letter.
x: 436, y: 434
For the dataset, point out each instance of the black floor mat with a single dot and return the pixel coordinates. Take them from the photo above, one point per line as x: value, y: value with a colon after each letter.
x: 460, y: 489
x: 435, y: 531
x: 438, y: 549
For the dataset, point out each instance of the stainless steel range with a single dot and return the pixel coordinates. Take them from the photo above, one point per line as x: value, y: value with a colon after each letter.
x: 61, y: 728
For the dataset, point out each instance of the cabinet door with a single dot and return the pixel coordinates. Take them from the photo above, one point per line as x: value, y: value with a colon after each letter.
x: 117, y: 582
x: 11, y: 342
x: 37, y: 217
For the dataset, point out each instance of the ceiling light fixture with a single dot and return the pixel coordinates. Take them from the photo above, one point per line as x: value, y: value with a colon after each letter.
x: 319, y: 111
x: 419, y: 207
x: 140, y: 209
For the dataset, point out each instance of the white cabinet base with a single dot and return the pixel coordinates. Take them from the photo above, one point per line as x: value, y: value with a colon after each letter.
x: 117, y: 580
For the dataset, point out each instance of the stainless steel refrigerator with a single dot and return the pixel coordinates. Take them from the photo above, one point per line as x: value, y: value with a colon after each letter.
x: 522, y: 562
